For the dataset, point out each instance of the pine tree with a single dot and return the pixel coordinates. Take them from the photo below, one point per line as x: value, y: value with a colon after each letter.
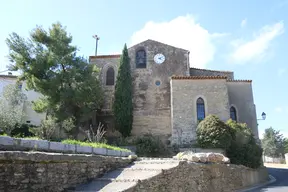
x: 50, y: 66
x: 123, y: 106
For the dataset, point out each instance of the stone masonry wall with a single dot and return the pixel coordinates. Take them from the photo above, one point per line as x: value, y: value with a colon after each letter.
x: 152, y: 102
x: 185, y: 93
x: 241, y: 97
x: 104, y: 63
x: 188, y: 177
x: 205, y: 178
x: 37, y: 171
x: 151, y: 109
x: 207, y: 72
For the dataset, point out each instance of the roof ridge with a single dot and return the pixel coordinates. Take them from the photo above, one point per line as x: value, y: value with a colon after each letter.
x: 178, y: 77
x: 198, y: 77
x: 9, y: 76
x: 239, y: 80
x: 211, y: 70
x: 105, y: 56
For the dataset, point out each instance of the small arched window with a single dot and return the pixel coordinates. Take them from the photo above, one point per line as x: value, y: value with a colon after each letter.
x: 141, y: 59
x: 233, y: 114
x: 200, y: 109
x: 110, y: 76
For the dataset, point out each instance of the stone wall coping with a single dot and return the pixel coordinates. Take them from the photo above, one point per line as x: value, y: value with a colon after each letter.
x: 23, y: 144
x: 49, y: 157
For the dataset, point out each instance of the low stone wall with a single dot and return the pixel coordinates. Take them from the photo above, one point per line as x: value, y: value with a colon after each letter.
x: 39, y: 171
x: 20, y: 144
x: 188, y: 176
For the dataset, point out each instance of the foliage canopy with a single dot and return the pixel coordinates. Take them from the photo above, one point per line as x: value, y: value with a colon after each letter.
x: 49, y: 64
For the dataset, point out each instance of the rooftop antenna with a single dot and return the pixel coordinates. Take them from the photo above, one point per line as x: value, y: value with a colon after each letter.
x: 97, y: 38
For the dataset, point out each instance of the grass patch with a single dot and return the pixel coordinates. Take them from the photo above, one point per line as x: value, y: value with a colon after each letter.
x: 31, y: 138
x: 95, y: 145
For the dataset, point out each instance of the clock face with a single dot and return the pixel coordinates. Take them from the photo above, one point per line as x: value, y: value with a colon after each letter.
x: 159, y: 58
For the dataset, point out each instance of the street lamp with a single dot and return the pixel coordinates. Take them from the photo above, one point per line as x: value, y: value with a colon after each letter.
x: 263, y: 116
x: 96, y: 38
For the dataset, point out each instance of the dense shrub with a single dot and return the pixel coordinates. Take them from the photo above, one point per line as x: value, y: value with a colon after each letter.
x: 46, y: 128
x: 213, y: 133
x: 22, y: 130
x: 244, y: 149
x: 150, y: 146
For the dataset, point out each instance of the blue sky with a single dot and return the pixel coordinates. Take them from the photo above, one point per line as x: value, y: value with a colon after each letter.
x: 247, y: 37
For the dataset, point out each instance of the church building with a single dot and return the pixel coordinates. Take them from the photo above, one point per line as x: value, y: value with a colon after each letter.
x: 170, y: 97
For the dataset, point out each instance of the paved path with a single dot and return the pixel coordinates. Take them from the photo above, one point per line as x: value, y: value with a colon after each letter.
x: 281, y: 175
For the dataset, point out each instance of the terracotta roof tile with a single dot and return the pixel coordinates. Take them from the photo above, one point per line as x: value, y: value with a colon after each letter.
x: 208, y: 77
x: 8, y: 76
x: 104, y: 56
x: 211, y: 70
x: 198, y: 77
x: 239, y: 80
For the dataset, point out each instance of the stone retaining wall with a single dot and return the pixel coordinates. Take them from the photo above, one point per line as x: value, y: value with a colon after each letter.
x: 20, y: 144
x: 39, y: 171
x: 198, y: 177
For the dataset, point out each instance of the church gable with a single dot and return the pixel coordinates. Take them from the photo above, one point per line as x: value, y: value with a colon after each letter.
x: 159, y: 57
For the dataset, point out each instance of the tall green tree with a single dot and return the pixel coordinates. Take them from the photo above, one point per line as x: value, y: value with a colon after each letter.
x: 123, y: 106
x: 273, y: 143
x: 11, y: 104
x: 50, y: 65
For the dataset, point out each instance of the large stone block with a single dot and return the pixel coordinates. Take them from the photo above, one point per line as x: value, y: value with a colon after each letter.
x: 28, y: 144
x: 112, y: 152
x: 83, y: 149
x: 100, y: 151
x: 116, y: 153
x: 6, y: 142
x: 69, y: 148
x: 41, y: 145
x: 57, y: 147
x: 125, y: 153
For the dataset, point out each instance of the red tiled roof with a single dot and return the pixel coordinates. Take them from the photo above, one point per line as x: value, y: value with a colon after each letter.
x: 198, y: 77
x: 239, y: 80
x: 104, y: 56
x: 211, y: 70
x: 208, y: 77
x: 8, y: 76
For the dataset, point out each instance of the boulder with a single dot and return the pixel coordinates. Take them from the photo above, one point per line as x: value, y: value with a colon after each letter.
x: 202, y: 157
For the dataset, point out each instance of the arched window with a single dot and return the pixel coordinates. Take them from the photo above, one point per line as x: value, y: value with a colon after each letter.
x: 200, y: 109
x: 110, y: 76
x: 141, y: 59
x: 233, y: 115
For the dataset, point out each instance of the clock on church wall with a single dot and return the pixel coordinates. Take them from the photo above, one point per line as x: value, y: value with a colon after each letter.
x: 159, y: 58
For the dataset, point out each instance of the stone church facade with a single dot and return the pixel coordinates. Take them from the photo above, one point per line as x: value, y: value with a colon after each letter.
x: 169, y: 96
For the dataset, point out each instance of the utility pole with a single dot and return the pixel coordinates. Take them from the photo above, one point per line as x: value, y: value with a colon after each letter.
x: 97, y: 38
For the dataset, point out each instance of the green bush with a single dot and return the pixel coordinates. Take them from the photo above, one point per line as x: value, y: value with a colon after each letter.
x: 243, y: 149
x: 150, y: 146
x: 22, y: 130
x: 213, y: 133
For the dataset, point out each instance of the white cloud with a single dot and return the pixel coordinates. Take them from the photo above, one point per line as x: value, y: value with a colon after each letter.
x: 279, y: 109
x: 257, y: 48
x: 281, y: 72
x: 243, y: 23
x: 183, y: 32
